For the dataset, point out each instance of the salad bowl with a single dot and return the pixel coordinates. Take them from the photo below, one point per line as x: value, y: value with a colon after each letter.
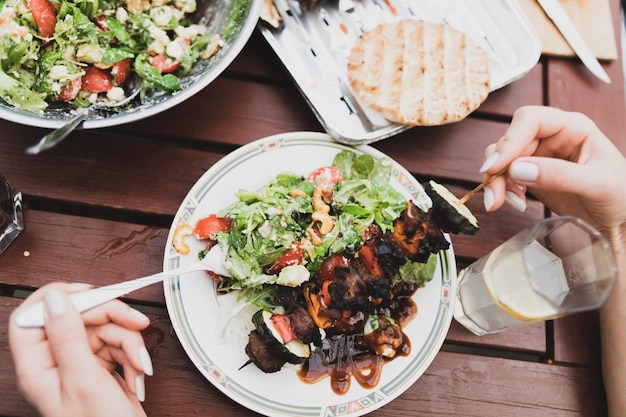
x: 213, y: 14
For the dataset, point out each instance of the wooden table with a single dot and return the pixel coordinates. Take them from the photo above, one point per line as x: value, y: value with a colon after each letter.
x: 99, y: 206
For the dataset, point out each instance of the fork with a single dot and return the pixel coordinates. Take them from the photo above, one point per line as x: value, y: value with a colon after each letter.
x: 33, y: 316
x: 56, y: 136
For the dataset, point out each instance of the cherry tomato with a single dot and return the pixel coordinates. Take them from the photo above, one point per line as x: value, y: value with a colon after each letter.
x: 97, y: 80
x: 164, y: 64
x: 45, y: 16
x: 70, y: 89
x: 325, y: 176
x: 290, y: 257
x: 120, y: 71
x: 207, y: 227
x: 327, y: 269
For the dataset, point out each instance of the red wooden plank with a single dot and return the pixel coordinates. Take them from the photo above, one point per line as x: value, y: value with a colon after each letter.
x: 528, y: 90
x: 57, y: 247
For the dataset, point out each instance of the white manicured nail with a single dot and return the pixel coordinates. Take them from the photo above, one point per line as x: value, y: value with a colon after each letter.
x: 146, y: 362
x: 140, y: 388
x: 55, y: 302
x: 139, y: 314
x: 524, y: 171
x: 489, y: 162
x: 488, y: 198
x: 515, y: 201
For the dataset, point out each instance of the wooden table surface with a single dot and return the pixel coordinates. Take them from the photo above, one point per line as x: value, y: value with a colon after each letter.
x: 99, y: 206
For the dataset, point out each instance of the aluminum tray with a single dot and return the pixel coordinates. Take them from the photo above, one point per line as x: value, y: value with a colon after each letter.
x: 314, y: 46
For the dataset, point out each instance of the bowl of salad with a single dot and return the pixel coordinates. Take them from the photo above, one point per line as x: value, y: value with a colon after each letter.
x: 60, y: 56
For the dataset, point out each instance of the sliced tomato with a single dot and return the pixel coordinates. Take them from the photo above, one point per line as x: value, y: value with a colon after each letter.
x: 164, y: 64
x: 325, y: 176
x: 283, y: 327
x: 70, y: 89
x: 290, y: 257
x: 45, y: 16
x: 97, y: 80
x: 207, y: 227
x: 120, y: 71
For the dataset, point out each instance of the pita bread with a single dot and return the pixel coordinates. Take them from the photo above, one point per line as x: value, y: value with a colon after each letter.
x: 419, y: 73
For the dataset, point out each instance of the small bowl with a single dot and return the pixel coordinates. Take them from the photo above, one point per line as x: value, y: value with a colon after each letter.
x: 212, y: 12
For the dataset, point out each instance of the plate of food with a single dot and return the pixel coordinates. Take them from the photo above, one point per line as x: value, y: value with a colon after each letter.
x: 60, y: 57
x: 370, y: 69
x: 336, y: 283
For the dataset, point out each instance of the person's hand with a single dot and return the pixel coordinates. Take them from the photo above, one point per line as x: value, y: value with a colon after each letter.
x: 565, y: 161
x: 68, y: 367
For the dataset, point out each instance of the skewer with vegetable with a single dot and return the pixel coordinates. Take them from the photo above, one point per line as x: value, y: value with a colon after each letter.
x: 331, y: 261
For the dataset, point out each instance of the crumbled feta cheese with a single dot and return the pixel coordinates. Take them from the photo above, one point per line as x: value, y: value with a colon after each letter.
x: 190, y: 32
x: 174, y: 50
x: 265, y: 229
x: 121, y: 14
x: 161, y: 16
x: 293, y: 275
x: 58, y: 71
x: 161, y: 40
x: 116, y: 94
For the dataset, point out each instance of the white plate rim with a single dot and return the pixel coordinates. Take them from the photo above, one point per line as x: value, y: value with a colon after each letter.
x: 377, y: 397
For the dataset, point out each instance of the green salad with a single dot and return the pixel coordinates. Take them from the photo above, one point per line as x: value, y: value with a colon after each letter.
x: 272, y: 236
x: 80, y: 51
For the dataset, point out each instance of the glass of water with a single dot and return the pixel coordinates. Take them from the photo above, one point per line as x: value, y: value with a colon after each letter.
x: 558, y: 266
x: 11, y: 217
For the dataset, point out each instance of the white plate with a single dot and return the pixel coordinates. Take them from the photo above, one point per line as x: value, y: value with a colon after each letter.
x: 193, y: 306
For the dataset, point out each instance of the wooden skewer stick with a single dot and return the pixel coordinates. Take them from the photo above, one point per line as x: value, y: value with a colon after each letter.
x: 480, y: 186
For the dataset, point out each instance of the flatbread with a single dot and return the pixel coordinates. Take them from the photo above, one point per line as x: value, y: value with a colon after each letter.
x: 419, y: 73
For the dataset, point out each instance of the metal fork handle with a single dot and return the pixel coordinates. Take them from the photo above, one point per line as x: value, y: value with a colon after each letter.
x: 33, y: 316
x: 56, y: 136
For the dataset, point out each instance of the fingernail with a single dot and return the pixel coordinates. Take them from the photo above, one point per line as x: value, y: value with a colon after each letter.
x: 515, y: 201
x: 140, y: 388
x: 55, y: 302
x: 524, y: 171
x: 139, y: 314
x: 489, y: 162
x: 146, y: 362
x: 488, y: 199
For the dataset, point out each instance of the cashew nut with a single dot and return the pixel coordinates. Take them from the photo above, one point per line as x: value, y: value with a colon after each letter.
x: 318, y: 200
x: 326, y: 221
x: 315, y: 239
x: 297, y: 193
x: 178, y: 241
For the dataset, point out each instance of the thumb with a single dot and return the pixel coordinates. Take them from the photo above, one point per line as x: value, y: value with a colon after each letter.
x: 67, y: 338
x: 552, y: 174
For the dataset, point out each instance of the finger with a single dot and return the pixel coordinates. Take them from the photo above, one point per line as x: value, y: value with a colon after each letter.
x: 122, y: 345
x: 29, y: 347
x: 67, y: 338
x: 565, y: 176
x: 556, y: 131
x: 117, y: 312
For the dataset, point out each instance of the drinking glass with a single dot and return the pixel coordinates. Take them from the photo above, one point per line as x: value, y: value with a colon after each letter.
x: 11, y: 217
x: 558, y: 266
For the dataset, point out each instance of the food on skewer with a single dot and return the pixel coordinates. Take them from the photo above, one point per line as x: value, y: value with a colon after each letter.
x: 332, y: 261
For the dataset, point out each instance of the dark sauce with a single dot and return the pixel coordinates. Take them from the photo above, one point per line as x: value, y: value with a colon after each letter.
x: 344, y: 356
